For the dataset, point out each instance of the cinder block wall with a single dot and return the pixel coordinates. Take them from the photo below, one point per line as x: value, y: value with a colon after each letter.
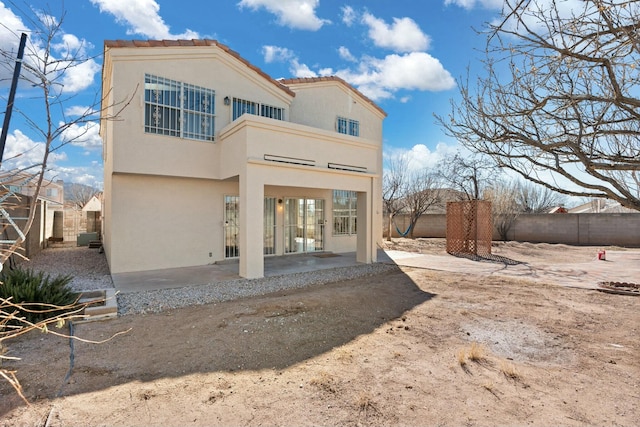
x: 615, y: 229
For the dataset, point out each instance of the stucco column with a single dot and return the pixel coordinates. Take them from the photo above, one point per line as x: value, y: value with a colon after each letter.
x: 251, y: 225
x: 365, y: 236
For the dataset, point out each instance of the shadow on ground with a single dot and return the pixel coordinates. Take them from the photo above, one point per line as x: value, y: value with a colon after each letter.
x: 268, y: 332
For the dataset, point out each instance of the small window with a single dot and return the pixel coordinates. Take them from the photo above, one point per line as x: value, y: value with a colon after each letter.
x: 348, y: 126
x: 272, y: 112
x: 345, y: 214
x: 242, y: 106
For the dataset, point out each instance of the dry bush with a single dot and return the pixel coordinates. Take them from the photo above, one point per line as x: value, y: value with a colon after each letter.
x: 365, y: 404
x: 510, y: 371
x: 477, y: 352
x: 462, y: 357
x: 344, y: 355
x: 324, y: 382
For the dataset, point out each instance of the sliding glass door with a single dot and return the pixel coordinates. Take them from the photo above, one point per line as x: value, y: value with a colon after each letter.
x: 304, y: 225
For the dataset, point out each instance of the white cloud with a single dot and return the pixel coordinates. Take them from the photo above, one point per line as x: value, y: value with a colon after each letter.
x: 348, y: 15
x: 87, y: 175
x: 10, y: 30
x: 380, y: 78
x: 404, y: 35
x: 73, y: 76
x: 80, y: 76
x: 23, y: 152
x: 297, y: 14
x: 470, y: 4
x: 346, y: 54
x: 420, y: 156
x: 276, y: 54
x: 72, y: 46
x: 141, y: 17
x: 79, y: 110
x: 301, y: 70
x: 86, y: 135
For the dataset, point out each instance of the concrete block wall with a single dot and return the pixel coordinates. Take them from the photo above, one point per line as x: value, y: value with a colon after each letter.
x: 615, y: 229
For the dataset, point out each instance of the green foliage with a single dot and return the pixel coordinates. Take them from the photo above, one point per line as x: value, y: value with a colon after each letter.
x: 41, y: 296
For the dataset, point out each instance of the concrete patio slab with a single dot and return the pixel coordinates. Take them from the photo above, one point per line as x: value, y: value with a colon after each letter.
x: 620, y: 266
x: 227, y: 271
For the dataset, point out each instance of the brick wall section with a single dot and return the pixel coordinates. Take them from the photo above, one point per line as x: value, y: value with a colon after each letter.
x: 619, y: 229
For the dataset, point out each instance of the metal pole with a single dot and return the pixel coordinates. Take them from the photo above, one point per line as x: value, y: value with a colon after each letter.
x: 12, y: 94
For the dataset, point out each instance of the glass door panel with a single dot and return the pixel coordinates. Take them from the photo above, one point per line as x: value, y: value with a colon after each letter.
x: 231, y: 227
x: 269, y: 225
x: 304, y: 225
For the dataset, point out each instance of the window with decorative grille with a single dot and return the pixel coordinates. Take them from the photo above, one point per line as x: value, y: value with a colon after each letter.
x: 344, y: 212
x: 178, y: 109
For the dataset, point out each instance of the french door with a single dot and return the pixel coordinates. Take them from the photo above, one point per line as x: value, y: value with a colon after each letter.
x: 303, y: 225
x: 232, y: 226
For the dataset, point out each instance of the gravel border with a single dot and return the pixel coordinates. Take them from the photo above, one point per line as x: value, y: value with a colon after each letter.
x: 90, y: 271
x: 155, y: 301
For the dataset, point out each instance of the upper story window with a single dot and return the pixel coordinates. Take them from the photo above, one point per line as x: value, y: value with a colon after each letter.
x: 242, y: 106
x: 179, y: 109
x: 348, y: 126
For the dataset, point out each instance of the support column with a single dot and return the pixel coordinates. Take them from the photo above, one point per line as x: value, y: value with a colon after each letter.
x: 365, y: 235
x: 251, y: 232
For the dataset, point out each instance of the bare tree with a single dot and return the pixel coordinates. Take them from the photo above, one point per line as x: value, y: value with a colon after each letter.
x: 533, y: 198
x: 559, y: 102
x: 44, y: 73
x: 80, y: 194
x: 422, y: 193
x: 505, y: 208
x: 394, y: 184
x: 468, y: 175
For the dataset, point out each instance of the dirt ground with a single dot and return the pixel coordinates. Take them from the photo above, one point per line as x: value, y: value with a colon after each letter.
x: 408, y: 347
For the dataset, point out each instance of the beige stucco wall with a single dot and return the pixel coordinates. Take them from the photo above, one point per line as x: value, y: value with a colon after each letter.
x: 573, y: 229
x: 163, y: 204
x: 166, y: 222
x: 155, y: 231
x: 319, y: 104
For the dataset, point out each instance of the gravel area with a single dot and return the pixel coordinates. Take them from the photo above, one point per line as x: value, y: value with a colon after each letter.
x: 88, y: 267
x: 90, y: 271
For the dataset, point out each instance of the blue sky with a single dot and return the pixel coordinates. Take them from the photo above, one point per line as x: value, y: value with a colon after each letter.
x: 404, y: 54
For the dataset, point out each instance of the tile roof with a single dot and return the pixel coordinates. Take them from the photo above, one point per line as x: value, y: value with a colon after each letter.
x: 195, y: 42
x: 330, y: 79
x: 281, y: 84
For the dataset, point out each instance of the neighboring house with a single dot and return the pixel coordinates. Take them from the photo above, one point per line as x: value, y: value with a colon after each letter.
x: 16, y: 190
x: 602, y: 206
x: 92, y: 210
x: 213, y: 159
x: 558, y: 210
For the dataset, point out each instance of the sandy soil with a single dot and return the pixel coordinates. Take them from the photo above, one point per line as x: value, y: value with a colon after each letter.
x: 410, y: 347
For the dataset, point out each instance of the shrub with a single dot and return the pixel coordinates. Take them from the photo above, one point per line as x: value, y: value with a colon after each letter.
x: 42, y: 296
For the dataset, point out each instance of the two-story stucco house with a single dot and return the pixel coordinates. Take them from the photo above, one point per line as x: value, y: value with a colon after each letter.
x: 213, y: 159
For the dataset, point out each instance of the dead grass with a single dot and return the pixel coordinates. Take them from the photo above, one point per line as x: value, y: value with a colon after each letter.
x: 477, y: 352
x: 462, y: 358
x: 365, y: 404
x: 510, y: 371
x: 344, y: 355
x: 324, y: 382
